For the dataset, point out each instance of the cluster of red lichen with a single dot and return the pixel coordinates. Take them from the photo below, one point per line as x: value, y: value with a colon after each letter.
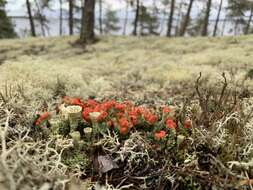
x: 123, y: 116
x: 43, y: 117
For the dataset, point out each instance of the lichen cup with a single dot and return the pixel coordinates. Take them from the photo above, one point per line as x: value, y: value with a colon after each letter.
x: 74, y: 116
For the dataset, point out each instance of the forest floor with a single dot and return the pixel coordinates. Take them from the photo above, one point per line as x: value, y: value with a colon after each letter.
x: 36, y: 73
x: 115, y: 62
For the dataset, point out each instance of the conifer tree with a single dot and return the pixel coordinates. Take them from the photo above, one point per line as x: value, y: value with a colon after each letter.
x: 148, y: 21
x: 110, y: 22
x: 6, y: 27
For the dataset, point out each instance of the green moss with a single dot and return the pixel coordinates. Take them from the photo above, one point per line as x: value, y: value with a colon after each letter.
x: 189, y: 183
x: 250, y: 74
x: 64, y: 128
x: 77, y: 158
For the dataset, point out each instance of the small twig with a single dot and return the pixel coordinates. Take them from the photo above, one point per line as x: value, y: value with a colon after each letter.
x: 225, y: 84
x: 162, y: 174
x: 197, y: 86
x: 2, y: 97
x: 203, y: 102
x: 225, y: 168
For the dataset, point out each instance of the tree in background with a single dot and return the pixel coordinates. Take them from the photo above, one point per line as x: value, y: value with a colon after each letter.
x: 110, y: 22
x: 30, y: 16
x: 6, y: 28
x: 248, y: 8
x: 206, y: 18
x: 137, y: 11
x: 176, y: 14
x: 217, y: 19
x: 148, y: 21
x: 87, y: 34
x: 41, y: 5
x: 100, y: 2
x: 155, y: 19
x: 126, y: 17
x: 186, y: 19
x: 60, y: 18
x: 164, y: 13
x: 179, y: 16
x: 195, y: 29
x: 171, y: 17
x: 247, y: 28
x: 237, y: 11
x: 71, y: 16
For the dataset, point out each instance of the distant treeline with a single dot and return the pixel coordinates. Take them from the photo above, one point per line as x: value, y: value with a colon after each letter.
x: 138, y: 17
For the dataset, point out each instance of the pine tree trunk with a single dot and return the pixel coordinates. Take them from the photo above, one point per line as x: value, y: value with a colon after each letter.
x: 249, y: 22
x: 217, y: 19
x: 187, y: 19
x: 206, y: 20
x: 88, y: 22
x: 170, y: 21
x: 100, y: 17
x: 179, y: 16
x: 32, y: 26
x: 136, y: 20
x: 71, y: 17
x: 40, y: 18
x: 126, y: 18
x: 61, y: 19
